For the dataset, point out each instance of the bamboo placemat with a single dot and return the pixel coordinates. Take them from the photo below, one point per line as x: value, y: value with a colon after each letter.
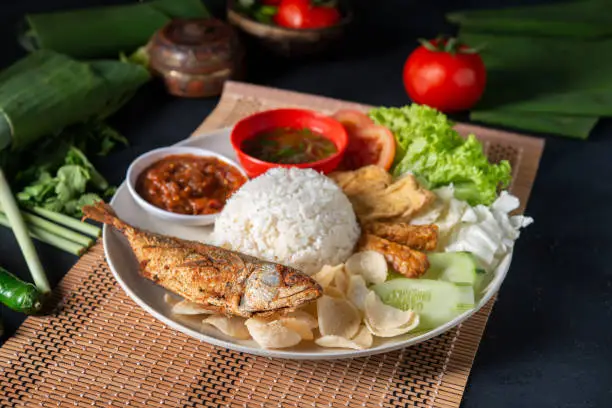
x: 99, y: 348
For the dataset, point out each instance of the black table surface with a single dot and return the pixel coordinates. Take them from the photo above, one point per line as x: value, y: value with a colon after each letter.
x: 549, y: 340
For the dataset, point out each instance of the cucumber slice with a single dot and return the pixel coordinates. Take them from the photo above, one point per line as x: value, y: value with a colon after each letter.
x: 436, y: 302
x: 457, y: 267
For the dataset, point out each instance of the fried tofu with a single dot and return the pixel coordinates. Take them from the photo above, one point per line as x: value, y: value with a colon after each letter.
x: 419, y: 237
x: 408, y: 262
x: 375, y: 196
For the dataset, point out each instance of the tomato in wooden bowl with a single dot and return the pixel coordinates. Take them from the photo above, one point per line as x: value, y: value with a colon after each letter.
x: 288, y: 138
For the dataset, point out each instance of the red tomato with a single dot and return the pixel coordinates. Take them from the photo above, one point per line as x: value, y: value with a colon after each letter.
x: 445, y: 76
x: 321, y: 17
x: 293, y: 13
x: 352, y: 119
x: 368, y: 143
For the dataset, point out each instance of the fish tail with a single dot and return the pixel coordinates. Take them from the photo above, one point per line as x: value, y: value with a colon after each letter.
x: 103, y: 213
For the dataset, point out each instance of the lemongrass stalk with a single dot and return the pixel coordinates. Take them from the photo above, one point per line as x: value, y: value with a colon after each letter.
x: 68, y: 221
x: 49, y: 238
x: 17, y: 224
x: 57, y: 229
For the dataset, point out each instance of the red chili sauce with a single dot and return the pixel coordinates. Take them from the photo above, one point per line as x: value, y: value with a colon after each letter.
x: 188, y: 184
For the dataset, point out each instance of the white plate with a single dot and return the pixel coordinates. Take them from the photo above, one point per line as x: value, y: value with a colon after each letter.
x: 151, y: 296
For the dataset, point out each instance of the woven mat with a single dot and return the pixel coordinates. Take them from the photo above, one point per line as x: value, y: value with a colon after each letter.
x: 100, y: 349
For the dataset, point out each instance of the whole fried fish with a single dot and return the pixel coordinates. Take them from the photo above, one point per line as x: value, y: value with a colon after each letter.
x: 223, y: 281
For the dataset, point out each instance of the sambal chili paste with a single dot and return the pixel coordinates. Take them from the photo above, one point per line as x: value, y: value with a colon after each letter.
x: 189, y: 184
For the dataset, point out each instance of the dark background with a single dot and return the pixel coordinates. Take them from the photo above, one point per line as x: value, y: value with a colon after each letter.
x: 549, y: 339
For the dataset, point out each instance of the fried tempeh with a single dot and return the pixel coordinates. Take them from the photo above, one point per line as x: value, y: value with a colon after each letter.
x: 408, y: 262
x: 420, y: 237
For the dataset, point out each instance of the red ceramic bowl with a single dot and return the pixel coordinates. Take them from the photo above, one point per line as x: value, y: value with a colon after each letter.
x: 291, y: 118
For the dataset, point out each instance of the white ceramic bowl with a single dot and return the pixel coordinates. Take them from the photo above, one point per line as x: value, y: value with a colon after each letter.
x: 147, y: 159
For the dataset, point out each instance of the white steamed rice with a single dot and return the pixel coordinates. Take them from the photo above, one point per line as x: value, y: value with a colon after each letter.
x: 295, y: 217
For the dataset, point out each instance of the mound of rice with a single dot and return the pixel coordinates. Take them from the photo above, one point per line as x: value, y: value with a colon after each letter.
x: 295, y: 217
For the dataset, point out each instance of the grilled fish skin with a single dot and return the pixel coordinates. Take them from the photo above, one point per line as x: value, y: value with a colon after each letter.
x: 223, y: 281
x: 408, y: 262
x: 419, y: 237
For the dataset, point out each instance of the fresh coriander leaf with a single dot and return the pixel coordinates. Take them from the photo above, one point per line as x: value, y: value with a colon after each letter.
x: 106, y: 145
x: 39, y: 190
x: 72, y: 182
x: 53, y: 204
x: 109, y: 138
x: 76, y: 157
x: 85, y: 199
x: 71, y: 208
x: 109, y: 192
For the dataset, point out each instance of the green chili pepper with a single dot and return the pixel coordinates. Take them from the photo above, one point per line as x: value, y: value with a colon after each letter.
x: 18, y: 295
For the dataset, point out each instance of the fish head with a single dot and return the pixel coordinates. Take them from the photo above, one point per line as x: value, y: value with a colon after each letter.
x: 271, y: 286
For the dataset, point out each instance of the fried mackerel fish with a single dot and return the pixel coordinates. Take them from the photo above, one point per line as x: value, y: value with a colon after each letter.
x: 219, y: 280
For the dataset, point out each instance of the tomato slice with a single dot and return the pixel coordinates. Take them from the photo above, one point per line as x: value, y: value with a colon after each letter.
x: 372, y: 144
x: 352, y: 119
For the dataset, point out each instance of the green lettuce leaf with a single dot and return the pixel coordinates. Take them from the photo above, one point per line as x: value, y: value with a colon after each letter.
x: 429, y: 147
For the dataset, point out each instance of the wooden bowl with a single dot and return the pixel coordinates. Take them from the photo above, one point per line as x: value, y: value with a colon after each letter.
x: 291, y: 42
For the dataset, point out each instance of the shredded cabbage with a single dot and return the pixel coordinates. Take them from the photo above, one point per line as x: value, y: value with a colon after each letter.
x: 429, y: 147
x: 488, y: 233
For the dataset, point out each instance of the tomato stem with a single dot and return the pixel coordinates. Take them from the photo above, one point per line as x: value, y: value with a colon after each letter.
x: 451, y: 46
x: 448, y: 44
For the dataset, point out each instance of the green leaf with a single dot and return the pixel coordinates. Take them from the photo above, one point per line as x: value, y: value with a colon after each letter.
x: 138, y: 57
x: 53, y: 204
x: 72, y: 181
x: 39, y: 190
x: 429, y: 147
x: 268, y: 10
x: 109, y: 192
x: 556, y: 76
x: 96, y: 32
x: 109, y: 138
x: 554, y: 123
x: 577, y: 19
x: 60, y: 92
x: 76, y: 157
x: 74, y: 207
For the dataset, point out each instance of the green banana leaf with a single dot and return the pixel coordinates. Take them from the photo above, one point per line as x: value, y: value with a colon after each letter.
x: 546, y: 75
x: 105, y: 31
x: 562, y: 125
x: 578, y: 19
x: 46, y: 91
